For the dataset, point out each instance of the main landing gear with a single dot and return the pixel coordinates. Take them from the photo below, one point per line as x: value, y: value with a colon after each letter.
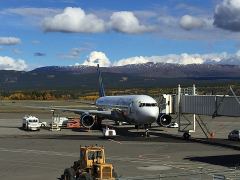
x: 147, y: 133
x: 147, y: 130
x: 186, y: 135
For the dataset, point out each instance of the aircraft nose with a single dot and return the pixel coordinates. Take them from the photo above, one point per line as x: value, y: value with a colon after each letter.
x: 152, y: 114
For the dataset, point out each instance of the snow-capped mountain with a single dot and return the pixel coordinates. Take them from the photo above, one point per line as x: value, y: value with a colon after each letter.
x: 147, y: 75
x: 165, y: 70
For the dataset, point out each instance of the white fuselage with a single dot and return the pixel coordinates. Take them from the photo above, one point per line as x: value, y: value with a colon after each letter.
x: 135, y: 109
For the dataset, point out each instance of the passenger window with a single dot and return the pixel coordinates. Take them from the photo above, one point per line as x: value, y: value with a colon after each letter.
x: 130, y: 107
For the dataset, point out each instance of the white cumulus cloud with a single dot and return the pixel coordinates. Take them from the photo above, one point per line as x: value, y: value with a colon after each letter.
x: 184, y: 58
x: 30, y: 12
x: 97, y: 57
x: 8, y: 63
x: 100, y: 58
x: 74, y: 20
x: 171, y: 58
x: 132, y: 60
x: 9, y: 41
x: 227, y: 15
x: 188, y: 22
x: 127, y: 22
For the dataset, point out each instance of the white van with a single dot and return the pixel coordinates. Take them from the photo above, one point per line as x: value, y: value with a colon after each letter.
x: 31, y: 123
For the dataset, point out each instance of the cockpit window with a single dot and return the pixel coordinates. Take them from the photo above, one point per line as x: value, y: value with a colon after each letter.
x: 147, y: 104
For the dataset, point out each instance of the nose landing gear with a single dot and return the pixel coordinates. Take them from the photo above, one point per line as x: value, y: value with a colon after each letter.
x: 147, y: 130
x: 145, y: 126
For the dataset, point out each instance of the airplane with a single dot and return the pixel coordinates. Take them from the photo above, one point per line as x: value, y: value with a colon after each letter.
x: 134, y: 109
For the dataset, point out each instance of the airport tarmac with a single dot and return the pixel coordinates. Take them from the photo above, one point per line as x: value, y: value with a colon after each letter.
x: 44, y: 154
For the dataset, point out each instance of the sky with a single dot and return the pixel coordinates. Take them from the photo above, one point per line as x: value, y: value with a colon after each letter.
x: 114, y: 33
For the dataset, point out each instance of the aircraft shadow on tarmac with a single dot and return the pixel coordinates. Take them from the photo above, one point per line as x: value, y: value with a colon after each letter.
x: 156, y: 128
x: 95, y: 137
x: 123, y: 134
x: 222, y: 160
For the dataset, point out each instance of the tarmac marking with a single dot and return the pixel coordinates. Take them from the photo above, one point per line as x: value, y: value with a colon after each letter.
x: 32, y: 151
x: 114, y: 141
x: 154, y: 168
x: 31, y: 164
x: 155, y: 156
x: 146, y: 143
x: 205, y: 169
x: 141, y: 159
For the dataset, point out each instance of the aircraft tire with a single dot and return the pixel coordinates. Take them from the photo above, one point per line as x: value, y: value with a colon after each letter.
x: 86, y: 176
x: 69, y: 174
x: 114, y: 174
x: 186, y: 136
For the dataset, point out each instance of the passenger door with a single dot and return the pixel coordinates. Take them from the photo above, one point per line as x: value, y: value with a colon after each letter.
x: 131, y: 108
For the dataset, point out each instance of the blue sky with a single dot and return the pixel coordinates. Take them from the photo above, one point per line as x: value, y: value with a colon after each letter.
x: 73, y: 32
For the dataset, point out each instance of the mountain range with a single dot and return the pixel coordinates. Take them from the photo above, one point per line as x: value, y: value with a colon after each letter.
x: 164, y: 70
x: 128, y: 76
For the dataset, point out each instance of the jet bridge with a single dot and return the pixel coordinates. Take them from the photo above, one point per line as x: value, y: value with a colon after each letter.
x: 212, y: 105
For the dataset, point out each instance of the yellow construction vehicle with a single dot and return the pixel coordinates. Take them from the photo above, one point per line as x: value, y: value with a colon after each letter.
x: 90, y: 166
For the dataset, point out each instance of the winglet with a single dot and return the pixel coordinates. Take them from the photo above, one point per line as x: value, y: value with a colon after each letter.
x: 101, y: 88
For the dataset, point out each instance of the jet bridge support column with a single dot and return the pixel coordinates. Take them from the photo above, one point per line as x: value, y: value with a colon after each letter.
x: 183, y: 127
x: 178, y: 107
x: 194, y: 115
x: 186, y: 125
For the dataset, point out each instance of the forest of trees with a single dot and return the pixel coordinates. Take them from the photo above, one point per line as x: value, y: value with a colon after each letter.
x: 93, y: 95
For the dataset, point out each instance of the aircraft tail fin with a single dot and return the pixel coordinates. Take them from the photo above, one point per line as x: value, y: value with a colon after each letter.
x: 101, y: 88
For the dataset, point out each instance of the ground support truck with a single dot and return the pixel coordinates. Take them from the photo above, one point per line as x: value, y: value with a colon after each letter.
x: 90, y: 166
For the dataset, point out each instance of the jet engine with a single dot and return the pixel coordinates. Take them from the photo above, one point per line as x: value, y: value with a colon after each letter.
x: 164, y: 120
x: 87, y: 120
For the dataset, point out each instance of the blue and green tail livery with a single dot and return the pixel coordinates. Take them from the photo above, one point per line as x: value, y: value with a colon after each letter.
x: 101, y: 88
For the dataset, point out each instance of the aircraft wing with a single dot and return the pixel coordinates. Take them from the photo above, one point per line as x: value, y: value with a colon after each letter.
x: 106, y: 114
x: 81, y: 111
